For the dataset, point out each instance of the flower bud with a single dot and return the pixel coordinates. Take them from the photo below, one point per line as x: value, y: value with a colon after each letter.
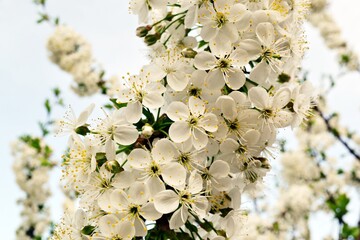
x: 188, y: 53
x: 113, y: 166
x: 147, y: 130
x: 142, y: 31
x: 151, y: 39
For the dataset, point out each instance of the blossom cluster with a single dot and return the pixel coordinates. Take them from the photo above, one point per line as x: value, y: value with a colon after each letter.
x: 195, y: 128
x: 309, y: 171
x: 331, y: 34
x: 72, y: 53
x: 31, y: 167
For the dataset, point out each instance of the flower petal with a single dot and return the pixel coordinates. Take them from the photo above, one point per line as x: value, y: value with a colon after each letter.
x: 204, y: 61
x: 235, y: 79
x: 166, y: 201
x: 219, y: 169
x: 199, y: 138
x: 179, y: 132
x: 139, y: 158
x: 178, y: 111
x: 133, y: 111
x: 149, y: 212
x: 196, y: 106
x: 259, y: 97
x: 174, y: 174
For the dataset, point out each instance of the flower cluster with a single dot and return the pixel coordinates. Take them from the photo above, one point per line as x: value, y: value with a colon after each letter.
x: 31, y: 167
x: 195, y: 128
x: 72, y: 53
x: 331, y: 33
x: 314, y: 173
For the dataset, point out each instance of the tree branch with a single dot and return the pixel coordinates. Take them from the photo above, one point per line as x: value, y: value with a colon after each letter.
x: 336, y: 134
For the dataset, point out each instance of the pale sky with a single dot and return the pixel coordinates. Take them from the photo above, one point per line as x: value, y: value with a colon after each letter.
x: 27, y: 76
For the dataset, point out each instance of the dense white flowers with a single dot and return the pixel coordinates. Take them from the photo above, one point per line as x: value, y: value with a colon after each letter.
x: 72, y: 53
x: 32, y: 166
x: 331, y: 33
x: 190, y: 133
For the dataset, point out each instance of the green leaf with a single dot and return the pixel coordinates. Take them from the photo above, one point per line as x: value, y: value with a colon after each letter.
x: 191, y: 227
x: 88, y: 230
x: 82, y: 130
x: 225, y: 211
x: 338, y: 205
x: 108, y: 106
x: 56, y: 92
x: 43, y: 129
x: 202, y: 43
x: 100, y: 158
x: 47, y: 106
x: 149, y: 116
x: 118, y: 105
x: 348, y: 231
x: 57, y: 21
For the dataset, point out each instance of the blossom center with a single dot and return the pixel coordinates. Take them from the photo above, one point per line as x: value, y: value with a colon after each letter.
x: 193, y: 121
x: 267, y: 113
x: 220, y: 19
x: 223, y: 63
x: 194, y: 91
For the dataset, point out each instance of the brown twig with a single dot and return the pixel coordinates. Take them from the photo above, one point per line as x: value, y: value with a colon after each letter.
x: 336, y: 134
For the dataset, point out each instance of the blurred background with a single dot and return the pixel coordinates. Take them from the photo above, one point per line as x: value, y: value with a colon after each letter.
x: 27, y: 77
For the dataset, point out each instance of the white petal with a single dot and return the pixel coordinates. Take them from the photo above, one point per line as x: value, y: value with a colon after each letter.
x: 196, y: 106
x: 252, y: 48
x: 227, y: 32
x: 84, y: 115
x: 227, y: 107
x: 123, y: 179
x: 239, y: 57
x: 153, y: 72
x: 179, y: 132
x: 125, y: 96
x: 133, y: 111
x: 163, y: 151
x: 209, y: 122
x: 204, y: 61
x: 139, y: 158
x: 126, y: 230
x: 107, y: 225
x: 178, y: 218
x: 282, y: 98
x: 149, y: 212
x: 199, y: 138
x: 119, y: 200
x: 174, y: 174
x: 283, y: 119
x: 251, y: 137
x: 266, y: 33
x: 260, y: 73
x: 229, y: 146
x: 177, y: 80
x: 215, y: 79
x: 166, y: 201
x: 155, y: 185
x: 219, y: 169
x: 195, y: 183
x: 208, y: 32
x: 153, y: 100
x: 140, y: 227
x: 80, y: 218
x: 259, y: 97
x: 191, y: 17
x: 138, y: 193
x: 178, y: 111
x: 126, y: 134
x: 235, y: 79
